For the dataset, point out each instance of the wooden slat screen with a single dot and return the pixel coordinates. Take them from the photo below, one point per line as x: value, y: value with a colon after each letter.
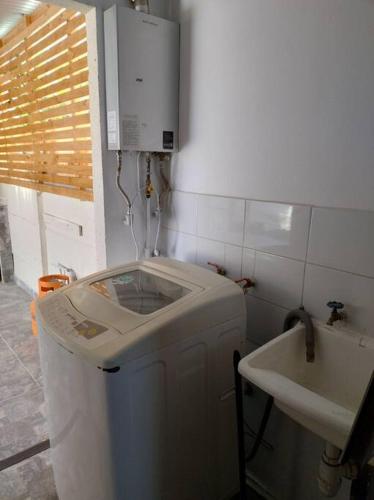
x: 45, y: 136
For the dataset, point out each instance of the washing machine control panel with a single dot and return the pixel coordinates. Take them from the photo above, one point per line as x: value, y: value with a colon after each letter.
x: 60, y: 316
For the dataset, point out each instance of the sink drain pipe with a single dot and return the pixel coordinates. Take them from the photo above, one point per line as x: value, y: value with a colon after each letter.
x: 331, y: 471
x: 329, y: 476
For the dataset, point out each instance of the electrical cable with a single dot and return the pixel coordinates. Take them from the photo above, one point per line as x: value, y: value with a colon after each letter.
x: 155, y: 249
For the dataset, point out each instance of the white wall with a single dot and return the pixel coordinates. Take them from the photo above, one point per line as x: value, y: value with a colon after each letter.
x: 276, y: 104
x: 44, y: 232
x: 277, y: 100
x: 62, y: 217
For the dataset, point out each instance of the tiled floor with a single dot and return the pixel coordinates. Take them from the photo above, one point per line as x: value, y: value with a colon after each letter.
x: 22, y: 414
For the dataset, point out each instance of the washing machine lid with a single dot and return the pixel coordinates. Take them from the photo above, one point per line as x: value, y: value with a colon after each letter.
x: 140, y: 291
x: 136, y: 307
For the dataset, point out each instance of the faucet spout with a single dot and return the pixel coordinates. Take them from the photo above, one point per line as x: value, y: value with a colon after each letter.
x: 301, y: 315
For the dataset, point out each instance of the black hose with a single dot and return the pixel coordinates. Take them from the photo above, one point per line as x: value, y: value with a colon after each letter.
x: 261, y: 431
x: 290, y: 318
x: 240, y: 426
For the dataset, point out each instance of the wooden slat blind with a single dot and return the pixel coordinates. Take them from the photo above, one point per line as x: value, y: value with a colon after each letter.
x: 45, y: 135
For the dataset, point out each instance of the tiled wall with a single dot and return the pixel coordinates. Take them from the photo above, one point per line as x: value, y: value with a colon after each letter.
x: 296, y: 254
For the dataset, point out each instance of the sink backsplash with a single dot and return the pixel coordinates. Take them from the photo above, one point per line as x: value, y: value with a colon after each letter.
x: 297, y: 254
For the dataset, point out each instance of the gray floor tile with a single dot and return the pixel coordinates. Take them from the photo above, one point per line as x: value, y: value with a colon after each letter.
x: 14, y: 379
x: 15, y: 314
x: 26, y: 346
x: 22, y: 423
x: 21, y: 330
x: 10, y: 292
x: 29, y: 480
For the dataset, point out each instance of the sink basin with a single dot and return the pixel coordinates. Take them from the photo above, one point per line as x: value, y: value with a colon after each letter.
x: 323, y: 396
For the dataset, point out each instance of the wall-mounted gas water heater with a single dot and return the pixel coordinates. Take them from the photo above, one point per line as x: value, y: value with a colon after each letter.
x: 142, y: 81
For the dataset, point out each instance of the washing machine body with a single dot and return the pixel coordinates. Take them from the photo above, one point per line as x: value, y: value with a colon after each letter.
x: 138, y: 379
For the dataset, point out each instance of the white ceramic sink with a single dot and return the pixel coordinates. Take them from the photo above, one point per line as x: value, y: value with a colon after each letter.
x: 323, y: 396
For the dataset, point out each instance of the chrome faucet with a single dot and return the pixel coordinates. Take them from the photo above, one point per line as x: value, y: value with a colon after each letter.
x: 301, y: 315
x: 335, y: 315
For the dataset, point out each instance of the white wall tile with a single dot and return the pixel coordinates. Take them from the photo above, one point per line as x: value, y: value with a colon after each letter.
x: 181, y: 212
x: 221, y: 219
x: 177, y: 245
x: 343, y: 239
x: 278, y: 279
x: 228, y: 256
x: 248, y: 263
x: 264, y: 320
x: 277, y: 228
x: 356, y: 292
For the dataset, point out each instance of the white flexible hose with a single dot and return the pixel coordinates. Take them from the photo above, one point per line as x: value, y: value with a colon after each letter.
x: 155, y: 249
x: 125, y: 196
x: 134, y: 237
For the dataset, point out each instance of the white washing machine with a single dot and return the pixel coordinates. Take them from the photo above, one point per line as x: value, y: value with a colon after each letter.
x: 138, y: 378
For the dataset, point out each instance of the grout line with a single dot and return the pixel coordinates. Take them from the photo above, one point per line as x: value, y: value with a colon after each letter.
x: 261, y: 200
x: 267, y: 301
x: 275, y: 255
x: 254, y: 266
x: 341, y: 271
x: 235, y: 245
x: 19, y: 396
x: 20, y: 361
x: 306, y: 256
x: 241, y: 263
x: 245, y: 220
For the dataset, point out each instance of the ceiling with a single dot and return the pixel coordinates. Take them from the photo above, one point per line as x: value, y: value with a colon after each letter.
x: 11, y: 12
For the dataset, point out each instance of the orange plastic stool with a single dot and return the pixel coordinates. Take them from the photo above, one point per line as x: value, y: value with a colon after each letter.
x: 46, y: 284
